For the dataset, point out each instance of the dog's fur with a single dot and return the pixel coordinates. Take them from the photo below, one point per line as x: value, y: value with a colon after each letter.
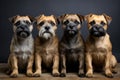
x: 46, y: 45
x: 22, y: 46
x: 98, y: 46
x: 71, y: 46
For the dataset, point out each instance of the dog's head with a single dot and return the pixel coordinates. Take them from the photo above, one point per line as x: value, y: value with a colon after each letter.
x: 98, y: 24
x: 22, y: 25
x: 71, y: 23
x: 47, y: 26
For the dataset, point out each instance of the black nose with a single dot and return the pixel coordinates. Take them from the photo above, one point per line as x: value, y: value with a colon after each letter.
x: 23, y: 27
x: 47, y: 27
x: 71, y: 27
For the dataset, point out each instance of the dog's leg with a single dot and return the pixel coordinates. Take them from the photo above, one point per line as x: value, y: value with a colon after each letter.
x: 108, y: 72
x: 81, y: 65
x: 29, y: 66
x: 63, y: 65
x: 89, y: 67
x: 55, y: 71
x: 14, y: 66
x: 38, y: 61
x: 113, y: 63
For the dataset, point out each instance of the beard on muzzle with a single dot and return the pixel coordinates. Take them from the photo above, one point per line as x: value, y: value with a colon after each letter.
x: 23, y: 34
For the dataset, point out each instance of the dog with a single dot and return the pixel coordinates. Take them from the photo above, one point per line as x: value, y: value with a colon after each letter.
x: 98, y: 46
x: 22, y: 46
x: 71, y: 46
x: 46, y: 45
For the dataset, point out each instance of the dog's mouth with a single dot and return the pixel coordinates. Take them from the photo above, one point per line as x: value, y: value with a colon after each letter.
x: 71, y: 32
x: 23, y: 34
x: 47, y: 32
x: 99, y: 32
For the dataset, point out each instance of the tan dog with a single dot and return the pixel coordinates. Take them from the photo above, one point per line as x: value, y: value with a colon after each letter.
x: 72, y: 46
x: 46, y: 45
x: 98, y: 46
x: 22, y: 46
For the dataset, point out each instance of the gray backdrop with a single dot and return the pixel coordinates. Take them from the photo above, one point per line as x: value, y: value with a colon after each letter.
x: 9, y: 8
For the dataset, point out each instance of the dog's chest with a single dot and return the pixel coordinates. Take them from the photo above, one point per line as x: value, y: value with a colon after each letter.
x: 47, y: 55
x: 23, y: 51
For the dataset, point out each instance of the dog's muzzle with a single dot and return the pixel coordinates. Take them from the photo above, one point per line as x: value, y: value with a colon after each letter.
x: 71, y: 29
x: 23, y: 31
x: 97, y: 31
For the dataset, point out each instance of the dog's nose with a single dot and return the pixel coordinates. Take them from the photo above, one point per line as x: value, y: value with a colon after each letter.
x: 71, y: 27
x: 47, y: 27
x: 23, y: 27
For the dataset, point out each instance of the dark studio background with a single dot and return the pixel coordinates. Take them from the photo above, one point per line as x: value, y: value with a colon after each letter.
x: 9, y: 8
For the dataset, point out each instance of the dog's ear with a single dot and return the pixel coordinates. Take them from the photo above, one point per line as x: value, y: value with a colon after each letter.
x: 56, y: 19
x: 38, y: 17
x: 12, y: 19
x: 61, y: 18
x: 32, y: 19
x: 87, y: 16
x: 108, y: 18
x: 81, y: 17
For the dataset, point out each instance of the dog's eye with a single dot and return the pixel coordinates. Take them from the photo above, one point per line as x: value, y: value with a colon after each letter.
x: 102, y: 23
x: 17, y: 23
x: 66, y: 22
x: 52, y: 23
x: 92, y: 22
x: 27, y: 22
x: 41, y: 23
x: 76, y: 22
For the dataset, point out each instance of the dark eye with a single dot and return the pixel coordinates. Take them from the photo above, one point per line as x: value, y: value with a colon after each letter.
x: 66, y: 22
x: 102, y: 23
x: 27, y: 22
x: 76, y: 22
x: 17, y: 23
x: 52, y: 23
x: 41, y: 23
x: 92, y: 22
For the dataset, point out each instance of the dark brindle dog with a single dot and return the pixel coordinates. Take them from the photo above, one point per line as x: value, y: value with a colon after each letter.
x: 71, y: 46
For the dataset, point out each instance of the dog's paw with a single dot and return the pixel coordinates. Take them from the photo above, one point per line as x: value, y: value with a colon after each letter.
x: 81, y: 75
x: 14, y: 74
x: 56, y: 74
x: 29, y: 74
x: 62, y: 75
x: 114, y: 71
x: 109, y: 75
x: 89, y: 75
x: 36, y: 74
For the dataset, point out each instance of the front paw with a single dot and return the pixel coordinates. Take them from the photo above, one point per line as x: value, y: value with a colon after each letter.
x: 55, y: 73
x: 109, y: 75
x: 63, y: 75
x: 89, y: 75
x: 14, y: 74
x: 37, y: 74
x: 29, y: 74
x: 81, y: 73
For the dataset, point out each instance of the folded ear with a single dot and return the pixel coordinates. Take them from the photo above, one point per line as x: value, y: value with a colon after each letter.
x: 87, y: 16
x: 108, y: 18
x: 12, y: 19
x: 56, y: 19
x: 32, y: 19
x: 37, y: 17
x: 81, y: 17
x: 61, y: 18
